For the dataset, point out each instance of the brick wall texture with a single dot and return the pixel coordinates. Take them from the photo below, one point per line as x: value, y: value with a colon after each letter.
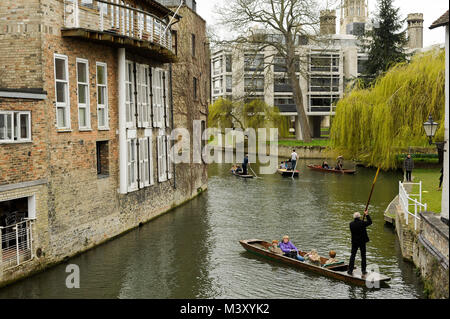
x: 75, y: 209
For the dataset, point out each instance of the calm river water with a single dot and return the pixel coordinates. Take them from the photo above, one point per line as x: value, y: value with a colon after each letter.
x: 193, y: 251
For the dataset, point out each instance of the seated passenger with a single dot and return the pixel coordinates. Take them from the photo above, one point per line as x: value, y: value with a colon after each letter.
x: 275, y: 248
x: 332, y: 258
x: 313, y: 257
x: 289, y: 249
x: 325, y: 165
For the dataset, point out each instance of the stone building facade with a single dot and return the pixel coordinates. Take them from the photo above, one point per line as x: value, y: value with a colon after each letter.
x: 326, y: 67
x: 192, y: 94
x: 87, y: 106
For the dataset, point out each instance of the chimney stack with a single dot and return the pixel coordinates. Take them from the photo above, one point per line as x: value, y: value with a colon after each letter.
x: 328, y: 22
x: 415, y: 30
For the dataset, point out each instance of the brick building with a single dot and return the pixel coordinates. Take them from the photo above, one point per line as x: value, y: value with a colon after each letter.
x: 86, y: 114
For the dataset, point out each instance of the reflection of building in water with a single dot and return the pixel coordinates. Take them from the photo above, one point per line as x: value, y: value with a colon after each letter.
x: 323, y: 73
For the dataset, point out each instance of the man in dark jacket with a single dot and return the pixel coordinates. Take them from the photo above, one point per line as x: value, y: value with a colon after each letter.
x: 359, y: 240
x: 408, y: 166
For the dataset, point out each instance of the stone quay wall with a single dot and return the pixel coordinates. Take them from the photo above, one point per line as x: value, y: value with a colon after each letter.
x: 427, y: 247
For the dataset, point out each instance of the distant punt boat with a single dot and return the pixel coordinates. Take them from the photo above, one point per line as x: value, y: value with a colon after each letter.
x: 285, y: 172
x: 338, y: 271
x: 240, y: 175
x: 331, y: 170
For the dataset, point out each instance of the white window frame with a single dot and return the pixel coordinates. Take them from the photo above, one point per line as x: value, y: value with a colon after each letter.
x: 158, y: 103
x: 102, y: 106
x: 132, y: 184
x: 144, y: 162
x: 15, y: 130
x: 64, y: 105
x: 143, y: 88
x: 168, y: 157
x: 86, y: 106
x: 162, y: 160
x: 129, y: 84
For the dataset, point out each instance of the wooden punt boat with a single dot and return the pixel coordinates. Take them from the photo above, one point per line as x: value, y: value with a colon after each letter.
x: 331, y: 170
x: 339, y: 272
x: 285, y: 172
x: 242, y: 176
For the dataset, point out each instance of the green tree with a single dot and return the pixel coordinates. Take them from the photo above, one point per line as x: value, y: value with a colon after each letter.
x: 225, y: 113
x: 385, y: 43
x: 376, y: 124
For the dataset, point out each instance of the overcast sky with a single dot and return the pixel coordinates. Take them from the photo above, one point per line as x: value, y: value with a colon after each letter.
x: 431, y: 9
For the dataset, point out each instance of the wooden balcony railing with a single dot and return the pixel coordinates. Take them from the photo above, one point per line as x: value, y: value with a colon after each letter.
x: 117, y: 17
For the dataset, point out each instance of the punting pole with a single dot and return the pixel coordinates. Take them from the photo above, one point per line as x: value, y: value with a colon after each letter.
x: 371, y: 191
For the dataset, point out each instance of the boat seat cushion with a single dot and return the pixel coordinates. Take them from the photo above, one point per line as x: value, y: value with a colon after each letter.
x: 333, y: 264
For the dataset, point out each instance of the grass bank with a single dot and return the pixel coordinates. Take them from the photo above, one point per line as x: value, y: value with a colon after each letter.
x: 430, y: 183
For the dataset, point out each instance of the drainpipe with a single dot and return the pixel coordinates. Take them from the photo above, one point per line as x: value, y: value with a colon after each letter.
x: 123, y: 189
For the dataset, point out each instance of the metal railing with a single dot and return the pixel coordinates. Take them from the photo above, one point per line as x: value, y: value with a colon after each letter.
x: 117, y: 16
x: 16, y: 244
x: 406, y: 201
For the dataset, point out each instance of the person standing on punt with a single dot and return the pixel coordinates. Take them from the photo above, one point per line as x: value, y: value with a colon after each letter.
x: 294, y: 159
x: 244, y: 165
x: 358, y: 229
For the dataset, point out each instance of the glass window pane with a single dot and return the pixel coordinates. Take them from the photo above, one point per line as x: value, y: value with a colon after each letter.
x: 82, y: 94
x: 61, y: 92
x: 6, y: 127
x: 101, y: 117
x: 24, y: 123
x: 61, y: 115
x: 101, y: 95
x: 81, y: 71
x: 101, y: 74
x: 60, y: 69
x: 82, y: 117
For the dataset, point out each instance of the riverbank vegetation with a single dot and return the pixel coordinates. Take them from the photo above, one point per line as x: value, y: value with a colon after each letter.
x: 431, y: 195
x: 314, y: 142
x: 226, y: 113
x: 372, y: 125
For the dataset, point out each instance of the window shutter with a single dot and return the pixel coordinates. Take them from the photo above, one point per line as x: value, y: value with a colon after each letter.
x: 150, y: 160
x: 146, y: 95
x: 141, y: 163
x: 161, y: 160
x: 167, y: 98
x: 169, y: 158
x: 155, y: 93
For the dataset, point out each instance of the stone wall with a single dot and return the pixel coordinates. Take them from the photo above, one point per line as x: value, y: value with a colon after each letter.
x: 427, y: 248
x: 21, y: 28
x: 76, y: 209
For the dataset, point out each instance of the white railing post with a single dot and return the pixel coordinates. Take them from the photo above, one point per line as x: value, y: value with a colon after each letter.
x: 76, y: 18
x: 415, y: 216
x: 17, y: 244
x: 420, y: 192
x: 100, y: 6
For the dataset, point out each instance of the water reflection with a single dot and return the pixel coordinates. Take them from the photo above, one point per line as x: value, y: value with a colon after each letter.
x: 193, y: 252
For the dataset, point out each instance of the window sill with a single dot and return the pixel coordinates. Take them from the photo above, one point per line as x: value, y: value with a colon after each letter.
x: 103, y: 129
x: 85, y: 130
x: 102, y: 176
x: 64, y: 130
x: 16, y: 142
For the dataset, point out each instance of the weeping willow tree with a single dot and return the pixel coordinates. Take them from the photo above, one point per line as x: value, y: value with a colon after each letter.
x: 225, y: 113
x: 373, y: 125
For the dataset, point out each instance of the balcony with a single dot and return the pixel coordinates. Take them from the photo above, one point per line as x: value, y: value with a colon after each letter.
x: 121, y: 26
